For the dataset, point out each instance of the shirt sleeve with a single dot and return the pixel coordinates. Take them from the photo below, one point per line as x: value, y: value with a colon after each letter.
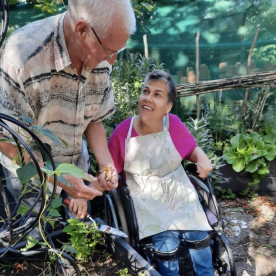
x: 106, y: 106
x: 183, y: 140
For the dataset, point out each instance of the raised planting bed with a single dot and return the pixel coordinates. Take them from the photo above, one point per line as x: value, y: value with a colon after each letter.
x: 237, y: 182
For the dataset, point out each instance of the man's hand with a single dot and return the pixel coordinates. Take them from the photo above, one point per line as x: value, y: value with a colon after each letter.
x: 78, y: 207
x: 108, y: 182
x: 79, y: 189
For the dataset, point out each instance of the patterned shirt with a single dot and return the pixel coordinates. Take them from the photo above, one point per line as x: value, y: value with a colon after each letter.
x: 38, y: 80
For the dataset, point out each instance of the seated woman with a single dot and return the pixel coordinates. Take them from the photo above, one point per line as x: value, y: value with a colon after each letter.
x: 149, y: 148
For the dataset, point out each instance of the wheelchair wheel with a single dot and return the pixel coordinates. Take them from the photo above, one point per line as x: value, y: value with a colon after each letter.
x: 223, y: 260
x: 115, y: 214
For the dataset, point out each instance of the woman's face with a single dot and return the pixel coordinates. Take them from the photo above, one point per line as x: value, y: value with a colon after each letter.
x: 153, y: 101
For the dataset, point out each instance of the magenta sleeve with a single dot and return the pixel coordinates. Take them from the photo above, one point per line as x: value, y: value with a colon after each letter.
x: 116, y: 144
x: 183, y: 140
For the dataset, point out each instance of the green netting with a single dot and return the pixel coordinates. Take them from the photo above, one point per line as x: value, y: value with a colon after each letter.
x: 227, y: 30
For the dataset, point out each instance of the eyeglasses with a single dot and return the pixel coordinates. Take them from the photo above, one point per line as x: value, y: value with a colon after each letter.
x: 109, y: 56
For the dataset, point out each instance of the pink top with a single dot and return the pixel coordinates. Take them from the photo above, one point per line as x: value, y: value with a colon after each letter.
x: 183, y: 140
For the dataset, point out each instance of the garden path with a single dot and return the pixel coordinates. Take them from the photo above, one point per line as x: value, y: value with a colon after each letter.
x: 251, y: 232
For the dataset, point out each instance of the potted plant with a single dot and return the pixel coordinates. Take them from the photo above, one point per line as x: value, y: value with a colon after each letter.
x: 250, y: 155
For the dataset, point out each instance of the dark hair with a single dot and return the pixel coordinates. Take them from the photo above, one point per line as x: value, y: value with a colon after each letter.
x: 159, y: 75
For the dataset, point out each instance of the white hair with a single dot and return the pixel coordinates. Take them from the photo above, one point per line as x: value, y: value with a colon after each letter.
x: 101, y: 14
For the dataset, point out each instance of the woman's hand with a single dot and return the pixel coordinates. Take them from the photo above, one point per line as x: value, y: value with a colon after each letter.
x: 108, y: 178
x: 204, y: 166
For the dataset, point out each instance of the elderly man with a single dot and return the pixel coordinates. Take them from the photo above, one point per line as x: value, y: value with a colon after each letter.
x: 57, y: 71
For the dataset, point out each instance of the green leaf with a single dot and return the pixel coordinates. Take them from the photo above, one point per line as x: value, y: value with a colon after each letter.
x: 263, y: 171
x: 26, y: 172
x: 57, y: 202
x: 147, y: 6
x: 235, y: 140
x: 239, y: 165
x: 252, y: 166
x: 31, y: 242
x: 48, y: 133
x: 22, y: 210
x: 54, y: 213
x: 71, y: 169
x: 52, y: 223
x: 69, y: 248
x: 68, y: 229
x: 26, y: 119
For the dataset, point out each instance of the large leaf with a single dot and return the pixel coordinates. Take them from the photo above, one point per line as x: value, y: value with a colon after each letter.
x: 235, y: 140
x: 238, y: 165
x: 54, y: 213
x: 69, y: 248
x: 57, y: 202
x: 71, y: 169
x: 26, y: 172
x: 252, y: 166
x: 26, y: 119
x: 229, y: 156
x: 48, y: 133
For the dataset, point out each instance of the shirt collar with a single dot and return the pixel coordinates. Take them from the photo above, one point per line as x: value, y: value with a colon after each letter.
x: 62, y: 58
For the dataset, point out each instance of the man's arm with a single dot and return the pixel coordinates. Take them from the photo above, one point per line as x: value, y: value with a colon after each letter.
x: 96, y: 138
x: 204, y: 165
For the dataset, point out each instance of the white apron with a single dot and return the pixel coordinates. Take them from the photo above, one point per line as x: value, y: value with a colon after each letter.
x: 163, y: 196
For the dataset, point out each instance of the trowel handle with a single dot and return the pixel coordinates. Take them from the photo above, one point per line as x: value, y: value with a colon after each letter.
x: 67, y: 201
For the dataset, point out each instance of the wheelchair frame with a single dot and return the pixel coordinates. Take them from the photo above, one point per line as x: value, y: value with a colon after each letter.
x: 120, y: 213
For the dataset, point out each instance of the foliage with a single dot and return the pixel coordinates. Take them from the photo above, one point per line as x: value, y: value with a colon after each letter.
x: 227, y: 194
x: 204, y: 139
x: 269, y: 120
x: 84, y: 239
x: 127, y: 81
x: 224, y: 122
x: 140, y: 7
x: 13, y: 2
x: 48, y: 6
x: 251, y: 153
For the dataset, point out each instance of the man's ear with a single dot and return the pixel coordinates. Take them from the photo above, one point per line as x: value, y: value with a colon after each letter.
x: 169, y: 107
x: 81, y: 29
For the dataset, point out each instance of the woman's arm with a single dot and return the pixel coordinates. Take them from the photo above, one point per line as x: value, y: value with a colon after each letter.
x: 204, y: 165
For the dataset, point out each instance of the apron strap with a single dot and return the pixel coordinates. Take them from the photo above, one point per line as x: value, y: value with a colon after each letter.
x: 165, y: 120
x: 130, y: 128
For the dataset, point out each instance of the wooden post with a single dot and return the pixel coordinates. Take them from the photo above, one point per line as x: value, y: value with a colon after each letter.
x: 248, y: 72
x: 197, y: 74
x: 146, y: 46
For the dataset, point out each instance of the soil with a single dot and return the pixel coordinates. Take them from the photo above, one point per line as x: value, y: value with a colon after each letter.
x: 250, y: 228
x: 251, y: 232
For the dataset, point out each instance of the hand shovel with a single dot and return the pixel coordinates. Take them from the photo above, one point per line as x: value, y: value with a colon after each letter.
x: 103, y: 228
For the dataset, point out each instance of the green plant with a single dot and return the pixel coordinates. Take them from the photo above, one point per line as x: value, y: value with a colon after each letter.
x: 251, y: 153
x: 269, y: 120
x: 123, y: 272
x: 83, y: 240
x: 227, y: 194
x: 204, y: 139
x: 127, y: 81
x: 223, y: 123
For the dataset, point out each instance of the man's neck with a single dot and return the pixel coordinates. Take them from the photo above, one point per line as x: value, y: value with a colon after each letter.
x: 71, y: 45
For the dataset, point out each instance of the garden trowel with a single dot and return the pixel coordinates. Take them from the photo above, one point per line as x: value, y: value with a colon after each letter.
x: 103, y: 228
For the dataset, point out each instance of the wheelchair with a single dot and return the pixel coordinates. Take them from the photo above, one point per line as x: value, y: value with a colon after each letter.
x: 120, y: 213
